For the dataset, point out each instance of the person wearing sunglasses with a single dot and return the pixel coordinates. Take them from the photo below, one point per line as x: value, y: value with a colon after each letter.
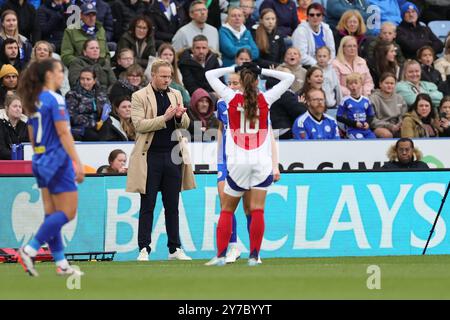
x: 313, y: 34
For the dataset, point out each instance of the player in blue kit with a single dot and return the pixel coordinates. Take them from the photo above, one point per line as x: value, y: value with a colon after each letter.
x: 356, y: 111
x: 314, y: 124
x: 55, y: 165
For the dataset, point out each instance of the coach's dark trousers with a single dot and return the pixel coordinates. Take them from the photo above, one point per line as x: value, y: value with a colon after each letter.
x: 165, y: 176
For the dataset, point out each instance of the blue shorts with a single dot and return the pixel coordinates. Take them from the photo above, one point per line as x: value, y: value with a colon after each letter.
x: 360, y: 134
x: 63, y: 180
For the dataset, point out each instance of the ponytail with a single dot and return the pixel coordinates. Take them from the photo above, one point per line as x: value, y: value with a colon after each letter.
x: 32, y: 82
x: 248, y: 79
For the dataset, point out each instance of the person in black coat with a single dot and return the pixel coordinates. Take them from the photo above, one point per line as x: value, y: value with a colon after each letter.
x: 9, y: 54
x: 444, y: 86
x: 28, y: 20
x: 426, y: 55
x: 130, y: 82
x: 164, y: 27
x: 284, y: 111
x: 123, y: 12
x: 12, y: 129
x: 52, y: 19
x: 104, y: 16
x: 403, y: 155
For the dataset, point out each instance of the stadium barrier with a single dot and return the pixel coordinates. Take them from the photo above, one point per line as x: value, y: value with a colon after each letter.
x: 293, y: 155
x: 308, y: 214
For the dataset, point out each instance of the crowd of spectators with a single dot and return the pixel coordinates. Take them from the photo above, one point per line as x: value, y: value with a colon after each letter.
x: 379, y: 57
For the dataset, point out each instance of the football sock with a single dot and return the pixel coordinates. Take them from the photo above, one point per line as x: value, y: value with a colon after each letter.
x: 256, y: 232
x: 233, y: 238
x: 223, y: 232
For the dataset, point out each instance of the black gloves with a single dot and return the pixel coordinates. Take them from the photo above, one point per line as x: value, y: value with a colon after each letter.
x: 253, y: 67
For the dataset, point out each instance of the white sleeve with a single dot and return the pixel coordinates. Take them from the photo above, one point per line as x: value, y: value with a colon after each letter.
x: 218, y: 86
x: 275, y: 93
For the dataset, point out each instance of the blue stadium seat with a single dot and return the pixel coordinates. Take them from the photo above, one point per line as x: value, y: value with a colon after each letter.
x: 440, y: 28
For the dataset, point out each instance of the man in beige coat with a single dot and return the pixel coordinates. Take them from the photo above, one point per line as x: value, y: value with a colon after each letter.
x: 157, y: 112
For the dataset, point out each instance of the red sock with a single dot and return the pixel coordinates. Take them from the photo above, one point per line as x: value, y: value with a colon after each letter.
x: 256, y: 232
x: 223, y: 232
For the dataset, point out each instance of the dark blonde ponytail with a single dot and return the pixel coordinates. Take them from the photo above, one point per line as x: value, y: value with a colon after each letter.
x: 248, y: 80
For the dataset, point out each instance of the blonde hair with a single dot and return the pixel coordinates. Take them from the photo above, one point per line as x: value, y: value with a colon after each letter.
x: 340, y: 53
x: 406, y: 65
x: 233, y: 8
x: 38, y: 43
x: 388, y: 24
x: 16, y: 34
x: 342, y: 25
x: 158, y: 63
x: 352, y: 77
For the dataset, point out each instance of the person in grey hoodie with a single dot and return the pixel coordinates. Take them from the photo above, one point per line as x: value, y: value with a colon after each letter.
x: 389, y: 108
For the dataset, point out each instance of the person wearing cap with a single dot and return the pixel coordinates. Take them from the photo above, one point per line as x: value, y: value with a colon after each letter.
x: 8, y: 81
x: 104, y: 15
x: 411, y: 35
x: 75, y: 36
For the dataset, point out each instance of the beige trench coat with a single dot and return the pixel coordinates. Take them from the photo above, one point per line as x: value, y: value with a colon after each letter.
x: 146, y: 122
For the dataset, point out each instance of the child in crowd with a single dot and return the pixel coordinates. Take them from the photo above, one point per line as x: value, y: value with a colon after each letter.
x: 388, y: 34
x: 292, y: 59
x: 426, y: 55
x: 356, y: 111
x: 330, y: 84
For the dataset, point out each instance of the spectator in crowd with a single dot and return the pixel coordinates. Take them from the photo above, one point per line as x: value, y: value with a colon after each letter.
x: 388, y: 34
x: 384, y: 61
x: 426, y: 55
x: 347, y: 62
x: 167, y: 53
x: 125, y: 58
x: 270, y: 43
x: 91, y: 58
x: 411, y: 85
x: 421, y: 120
x: 444, y: 87
x: 389, y: 11
x: 285, y: 110
x: 201, y: 114
x: 52, y: 16
x: 404, y: 155
x: 292, y: 59
x: 286, y: 11
x: 195, y: 62
x: 355, y: 110
x: 337, y: 8
x: 9, y: 29
x: 184, y: 36
x: 139, y: 38
x: 117, y: 160
x: 331, y: 86
x: 13, y: 130
x: 8, y: 82
x: 88, y: 106
x: 75, y: 37
x: 313, y: 80
x: 302, y: 6
x: 104, y: 15
x: 443, y: 63
x: 9, y: 54
x: 248, y: 7
x: 352, y: 24
x: 156, y: 170
x: 41, y: 50
x: 233, y: 35
x: 315, y: 124
x: 243, y: 55
x: 26, y: 16
x: 132, y: 80
x: 411, y: 35
x: 118, y: 127
x: 444, y: 117
x: 123, y: 12
x: 167, y: 16
x: 389, y: 108
x: 312, y: 35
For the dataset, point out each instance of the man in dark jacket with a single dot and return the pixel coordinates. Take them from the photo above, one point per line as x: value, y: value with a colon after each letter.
x: 9, y: 54
x: 194, y: 62
x: 167, y: 16
x: 411, y: 35
x: 403, y: 155
x: 123, y: 11
x: 27, y: 16
x: 52, y: 19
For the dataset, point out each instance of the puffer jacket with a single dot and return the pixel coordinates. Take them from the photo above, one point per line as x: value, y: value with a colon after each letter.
x: 413, y: 127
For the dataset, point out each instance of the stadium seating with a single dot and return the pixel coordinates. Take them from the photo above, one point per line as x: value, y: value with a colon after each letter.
x: 440, y: 28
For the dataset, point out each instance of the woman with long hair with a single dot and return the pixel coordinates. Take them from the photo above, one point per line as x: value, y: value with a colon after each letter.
x: 385, y: 60
x: 56, y: 164
x: 248, y: 150
x: 313, y: 80
x: 352, y: 24
x: 118, y: 127
x: 10, y: 29
x: 269, y: 41
x: 421, y: 120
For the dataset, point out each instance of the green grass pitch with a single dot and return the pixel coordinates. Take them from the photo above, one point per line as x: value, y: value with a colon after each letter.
x: 405, y: 277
